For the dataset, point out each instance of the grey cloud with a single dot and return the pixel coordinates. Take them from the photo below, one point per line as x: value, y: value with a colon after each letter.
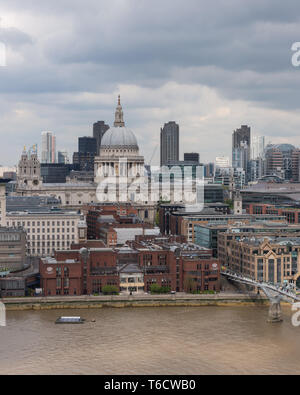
x: 14, y: 37
x: 241, y: 49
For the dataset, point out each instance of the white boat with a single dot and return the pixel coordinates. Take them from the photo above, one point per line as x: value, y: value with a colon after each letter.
x: 70, y: 320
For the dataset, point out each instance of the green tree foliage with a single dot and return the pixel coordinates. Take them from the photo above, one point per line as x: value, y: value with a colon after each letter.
x: 157, y: 289
x: 190, y: 285
x: 110, y: 290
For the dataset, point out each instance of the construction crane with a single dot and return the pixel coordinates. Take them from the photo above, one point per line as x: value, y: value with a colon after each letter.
x: 154, y: 152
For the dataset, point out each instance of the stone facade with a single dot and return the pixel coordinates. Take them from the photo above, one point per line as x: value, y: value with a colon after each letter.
x: 49, y: 231
x: 12, y: 249
x: 274, y: 259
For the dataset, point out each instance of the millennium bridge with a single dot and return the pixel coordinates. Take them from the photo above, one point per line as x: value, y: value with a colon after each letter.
x: 275, y: 293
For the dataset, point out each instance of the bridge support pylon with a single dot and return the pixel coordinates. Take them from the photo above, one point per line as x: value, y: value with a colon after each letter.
x: 275, y: 314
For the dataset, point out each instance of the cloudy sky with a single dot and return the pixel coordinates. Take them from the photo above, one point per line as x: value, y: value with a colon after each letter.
x: 210, y: 66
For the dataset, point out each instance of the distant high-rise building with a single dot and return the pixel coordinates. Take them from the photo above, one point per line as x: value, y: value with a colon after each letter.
x: 222, y: 162
x: 241, y: 149
x: 274, y: 161
x: 279, y: 160
x: 48, y: 148
x: 87, y: 144
x: 63, y: 157
x: 99, y: 128
x: 56, y: 172
x: 240, y: 157
x: 257, y: 147
x: 209, y: 170
x: 87, y: 150
x: 242, y: 135
x: 296, y: 165
x: 169, y: 143
x: 192, y: 157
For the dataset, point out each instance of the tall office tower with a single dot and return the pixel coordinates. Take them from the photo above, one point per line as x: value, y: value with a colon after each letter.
x: 48, y: 147
x: 222, y: 162
x: 257, y: 147
x: 3, y: 201
x: 87, y: 144
x: 192, y: 157
x: 87, y: 150
x: 63, y: 157
x: 279, y: 160
x: 99, y: 128
x: 169, y: 143
x: 241, y: 149
x: 274, y: 161
x: 240, y: 156
x: 257, y: 168
x: 209, y: 170
x: 242, y: 135
x: 296, y: 165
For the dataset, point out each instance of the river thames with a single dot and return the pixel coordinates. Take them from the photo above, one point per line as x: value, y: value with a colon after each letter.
x: 165, y: 340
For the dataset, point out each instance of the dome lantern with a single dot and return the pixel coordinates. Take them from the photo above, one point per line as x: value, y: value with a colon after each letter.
x: 119, y: 121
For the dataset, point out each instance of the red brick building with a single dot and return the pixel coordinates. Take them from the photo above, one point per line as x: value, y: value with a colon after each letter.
x: 98, y: 214
x: 105, y: 221
x: 291, y: 214
x: 161, y: 260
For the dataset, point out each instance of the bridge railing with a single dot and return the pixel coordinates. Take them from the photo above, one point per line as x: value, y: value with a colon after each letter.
x: 288, y: 290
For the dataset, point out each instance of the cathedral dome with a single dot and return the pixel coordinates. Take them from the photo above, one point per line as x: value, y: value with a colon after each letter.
x: 119, y: 137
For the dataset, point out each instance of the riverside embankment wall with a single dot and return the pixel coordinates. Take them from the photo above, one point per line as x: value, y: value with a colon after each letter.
x: 121, y: 301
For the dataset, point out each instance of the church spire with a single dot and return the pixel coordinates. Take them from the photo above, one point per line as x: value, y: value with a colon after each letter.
x: 119, y: 121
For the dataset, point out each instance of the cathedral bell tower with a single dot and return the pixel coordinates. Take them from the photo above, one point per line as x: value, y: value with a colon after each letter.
x: 29, y: 170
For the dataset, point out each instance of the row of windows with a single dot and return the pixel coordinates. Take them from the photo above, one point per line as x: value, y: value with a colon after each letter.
x: 65, y: 292
x: 43, y: 237
x: 42, y: 251
x: 43, y: 230
x: 43, y: 244
x: 42, y: 223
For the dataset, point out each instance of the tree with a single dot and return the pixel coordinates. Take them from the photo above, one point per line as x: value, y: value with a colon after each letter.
x: 190, y: 285
x: 157, y: 218
x: 110, y: 290
x: 230, y: 203
x: 157, y: 289
x: 154, y: 288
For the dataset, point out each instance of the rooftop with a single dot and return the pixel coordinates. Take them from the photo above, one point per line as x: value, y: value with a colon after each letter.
x: 255, y: 225
x: 274, y: 240
x: 286, y: 188
x: 53, y: 261
x: 4, y: 229
x: 43, y: 212
x: 32, y: 203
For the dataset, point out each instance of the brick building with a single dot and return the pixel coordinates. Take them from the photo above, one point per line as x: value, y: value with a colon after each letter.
x: 292, y: 214
x: 143, y: 262
x: 114, y: 224
x: 271, y: 258
x: 175, y: 220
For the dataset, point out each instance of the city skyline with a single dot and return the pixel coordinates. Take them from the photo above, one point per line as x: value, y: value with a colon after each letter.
x: 149, y: 177
x: 204, y: 80
x: 255, y: 139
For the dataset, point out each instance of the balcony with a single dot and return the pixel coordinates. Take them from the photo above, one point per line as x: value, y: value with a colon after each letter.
x: 156, y: 269
x: 104, y: 271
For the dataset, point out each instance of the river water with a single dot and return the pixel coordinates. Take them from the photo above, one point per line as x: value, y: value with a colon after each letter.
x: 174, y: 340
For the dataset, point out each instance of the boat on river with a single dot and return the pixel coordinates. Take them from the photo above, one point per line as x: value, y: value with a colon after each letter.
x: 70, y: 320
